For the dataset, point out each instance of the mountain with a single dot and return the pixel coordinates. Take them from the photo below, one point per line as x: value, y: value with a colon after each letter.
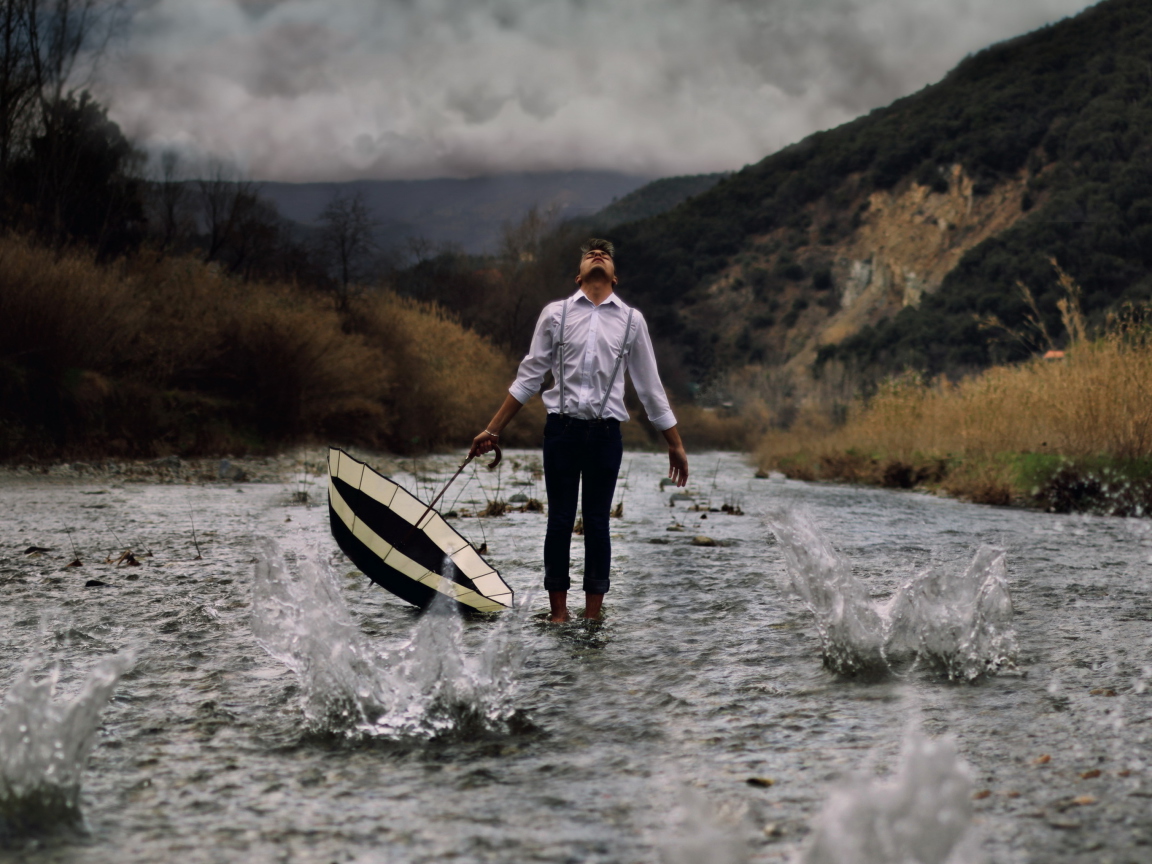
x: 883, y: 243
x: 468, y: 214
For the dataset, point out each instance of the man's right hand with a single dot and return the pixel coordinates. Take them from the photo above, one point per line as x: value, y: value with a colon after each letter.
x: 483, y: 443
x: 678, y: 465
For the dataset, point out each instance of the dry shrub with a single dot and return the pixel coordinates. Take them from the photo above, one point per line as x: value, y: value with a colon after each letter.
x: 850, y: 466
x: 288, y: 355
x: 982, y: 482
x: 61, y: 312
x: 1098, y: 399
x: 162, y: 355
x: 159, y: 355
x: 448, y: 381
x: 527, y: 427
x: 1095, y: 401
x: 63, y: 324
x: 713, y: 429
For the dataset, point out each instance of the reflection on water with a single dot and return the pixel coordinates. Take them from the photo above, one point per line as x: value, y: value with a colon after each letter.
x: 428, y: 688
x: 960, y: 625
x: 919, y: 816
x: 44, y: 745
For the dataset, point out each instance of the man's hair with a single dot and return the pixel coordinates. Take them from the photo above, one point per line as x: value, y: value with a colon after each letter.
x: 602, y: 245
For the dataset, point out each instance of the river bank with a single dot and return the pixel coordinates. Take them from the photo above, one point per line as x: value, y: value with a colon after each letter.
x: 288, y: 466
x: 1038, y: 481
x: 1067, y: 432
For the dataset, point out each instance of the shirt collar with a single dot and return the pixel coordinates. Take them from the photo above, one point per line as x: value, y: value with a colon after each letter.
x: 612, y: 298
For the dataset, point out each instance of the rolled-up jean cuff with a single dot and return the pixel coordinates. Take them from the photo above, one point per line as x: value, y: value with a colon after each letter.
x: 557, y: 584
x: 596, y: 587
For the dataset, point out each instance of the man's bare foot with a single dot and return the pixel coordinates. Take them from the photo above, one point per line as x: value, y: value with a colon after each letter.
x: 592, y: 605
x: 558, y: 601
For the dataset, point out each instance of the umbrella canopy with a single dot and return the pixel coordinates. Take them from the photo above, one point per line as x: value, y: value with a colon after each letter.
x: 402, y: 545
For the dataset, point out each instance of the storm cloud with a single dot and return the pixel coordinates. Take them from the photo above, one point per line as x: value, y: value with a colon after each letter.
x: 339, y: 89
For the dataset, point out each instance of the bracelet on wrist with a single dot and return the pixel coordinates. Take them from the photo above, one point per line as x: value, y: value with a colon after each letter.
x: 493, y: 434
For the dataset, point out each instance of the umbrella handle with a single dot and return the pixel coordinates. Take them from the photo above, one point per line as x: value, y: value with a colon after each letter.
x: 440, y: 494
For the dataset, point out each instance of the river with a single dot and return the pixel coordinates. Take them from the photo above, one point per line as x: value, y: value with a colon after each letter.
x: 697, y: 723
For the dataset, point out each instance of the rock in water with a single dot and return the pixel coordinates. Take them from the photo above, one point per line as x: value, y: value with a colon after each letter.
x: 228, y: 471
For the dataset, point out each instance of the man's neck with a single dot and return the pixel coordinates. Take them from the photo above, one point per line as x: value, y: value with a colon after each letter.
x: 597, y: 291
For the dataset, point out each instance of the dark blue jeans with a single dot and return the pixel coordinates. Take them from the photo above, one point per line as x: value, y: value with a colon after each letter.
x: 575, y: 449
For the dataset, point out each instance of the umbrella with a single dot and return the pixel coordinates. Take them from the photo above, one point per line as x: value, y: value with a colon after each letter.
x: 402, y: 544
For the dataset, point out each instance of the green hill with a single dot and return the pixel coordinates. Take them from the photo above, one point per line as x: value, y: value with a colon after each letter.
x: 652, y: 199
x: 1043, y: 146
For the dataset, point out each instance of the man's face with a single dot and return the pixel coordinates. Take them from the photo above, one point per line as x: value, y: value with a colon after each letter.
x: 597, y: 263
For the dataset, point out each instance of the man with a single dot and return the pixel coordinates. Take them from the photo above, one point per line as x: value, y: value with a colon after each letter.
x: 588, y: 341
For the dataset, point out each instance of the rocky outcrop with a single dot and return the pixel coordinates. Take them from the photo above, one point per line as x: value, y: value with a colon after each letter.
x: 799, y: 289
x: 907, y: 242
x: 909, y: 239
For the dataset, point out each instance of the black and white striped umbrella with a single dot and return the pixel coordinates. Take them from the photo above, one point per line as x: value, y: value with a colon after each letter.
x: 401, y: 544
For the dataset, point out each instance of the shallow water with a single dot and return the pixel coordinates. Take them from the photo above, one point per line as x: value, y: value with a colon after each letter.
x: 640, y: 737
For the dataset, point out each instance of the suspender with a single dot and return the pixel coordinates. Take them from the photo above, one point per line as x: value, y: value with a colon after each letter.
x: 625, y: 348
x: 560, y: 352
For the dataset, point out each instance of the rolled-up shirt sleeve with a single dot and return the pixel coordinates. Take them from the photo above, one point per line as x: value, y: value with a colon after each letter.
x: 538, y: 360
x: 646, y: 379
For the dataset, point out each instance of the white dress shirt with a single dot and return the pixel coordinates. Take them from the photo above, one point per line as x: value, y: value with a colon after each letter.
x: 593, y: 336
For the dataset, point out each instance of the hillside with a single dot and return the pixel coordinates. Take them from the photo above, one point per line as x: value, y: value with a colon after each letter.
x: 880, y: 244
x: 652, y: 199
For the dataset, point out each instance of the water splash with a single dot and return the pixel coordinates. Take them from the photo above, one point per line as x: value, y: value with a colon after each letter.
x: 44, y: 744
x: 851, y: 627
x: 958, y: 625
x: 428, y: 688
x: 920, y: 816
x: 961, y: 627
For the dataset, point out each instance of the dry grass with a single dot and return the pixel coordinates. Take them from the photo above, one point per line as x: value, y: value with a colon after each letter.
x: 447, y: 381
x: 1095, y: 402
x: 161, y: 355
x: 711, y: 429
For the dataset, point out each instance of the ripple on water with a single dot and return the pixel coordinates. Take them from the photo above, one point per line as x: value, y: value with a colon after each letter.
x: 708, y: 676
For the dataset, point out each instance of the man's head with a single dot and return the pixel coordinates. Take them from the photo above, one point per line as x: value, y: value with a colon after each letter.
x: 596, y: 262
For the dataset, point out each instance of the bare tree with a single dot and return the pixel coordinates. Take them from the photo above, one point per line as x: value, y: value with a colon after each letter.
x: 50, y: 50
x: 418, y: 250
x: 170, y: 202
x: 520, y: 243
x: 346, y: 241
x: 224, y: 198
x: 256, y: 238
x: 17, y: 81
x: 525, y: 281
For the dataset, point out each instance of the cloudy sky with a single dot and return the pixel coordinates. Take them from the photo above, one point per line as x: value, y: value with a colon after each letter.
x: 341, y: 89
